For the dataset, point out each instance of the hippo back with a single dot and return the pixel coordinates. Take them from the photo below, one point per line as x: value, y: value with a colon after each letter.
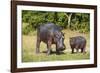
x: 49, y: 26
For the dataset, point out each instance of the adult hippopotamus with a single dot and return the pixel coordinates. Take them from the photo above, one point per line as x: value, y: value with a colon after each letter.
x: 77, y: 43
x: 50, y: 34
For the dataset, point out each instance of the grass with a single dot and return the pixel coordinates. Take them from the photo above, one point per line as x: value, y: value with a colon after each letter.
x: 54, y: 57
x: 29, y: 46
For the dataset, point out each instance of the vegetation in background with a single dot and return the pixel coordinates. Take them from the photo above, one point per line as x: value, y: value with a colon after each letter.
x: 73, y: 21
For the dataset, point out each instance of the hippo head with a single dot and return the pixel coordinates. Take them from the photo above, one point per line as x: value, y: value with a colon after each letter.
x: 59, y: 39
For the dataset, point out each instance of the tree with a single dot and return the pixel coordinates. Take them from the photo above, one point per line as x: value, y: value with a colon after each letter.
x: 68, y: 15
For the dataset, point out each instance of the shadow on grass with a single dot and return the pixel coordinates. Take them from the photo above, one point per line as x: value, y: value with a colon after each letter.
x: 54, y: 52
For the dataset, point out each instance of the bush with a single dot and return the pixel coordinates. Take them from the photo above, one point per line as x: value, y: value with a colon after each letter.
x: 73, y: 21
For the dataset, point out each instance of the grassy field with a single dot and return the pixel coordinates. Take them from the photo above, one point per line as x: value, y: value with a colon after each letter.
x: 29, y: 46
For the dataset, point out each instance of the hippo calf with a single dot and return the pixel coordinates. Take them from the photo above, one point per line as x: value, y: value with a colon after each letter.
x: 77, y: 43
x: 50, y: 34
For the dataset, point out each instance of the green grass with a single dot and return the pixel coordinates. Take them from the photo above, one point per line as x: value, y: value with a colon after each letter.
x: 29, y: 46
x: 53, y: 57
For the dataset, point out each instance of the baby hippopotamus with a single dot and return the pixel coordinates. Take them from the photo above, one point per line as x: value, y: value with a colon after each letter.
x: 77, y: 43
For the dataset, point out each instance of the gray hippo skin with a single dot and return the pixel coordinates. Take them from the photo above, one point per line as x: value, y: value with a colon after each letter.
x: 50, y: 34
x: 77, y: 43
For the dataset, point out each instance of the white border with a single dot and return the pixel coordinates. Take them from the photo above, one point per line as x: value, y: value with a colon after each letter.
x: 55, y: 63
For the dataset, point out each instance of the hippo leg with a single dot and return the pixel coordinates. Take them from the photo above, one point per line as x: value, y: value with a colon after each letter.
x: 57, y: 50
x: 38, y: 45
x: 48, y: 47
x: 72, y: 47
x: 72, y: 50
x: 83, y: 50
x: 77, y: 50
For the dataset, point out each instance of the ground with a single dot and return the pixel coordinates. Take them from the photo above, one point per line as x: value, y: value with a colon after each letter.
x: 29, y: 47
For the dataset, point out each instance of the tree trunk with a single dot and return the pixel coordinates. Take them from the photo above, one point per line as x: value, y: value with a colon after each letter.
x: 69, y: 20
x: 68, y: 15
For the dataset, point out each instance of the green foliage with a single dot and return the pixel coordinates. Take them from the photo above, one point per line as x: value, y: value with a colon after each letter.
x: 73, y: 21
